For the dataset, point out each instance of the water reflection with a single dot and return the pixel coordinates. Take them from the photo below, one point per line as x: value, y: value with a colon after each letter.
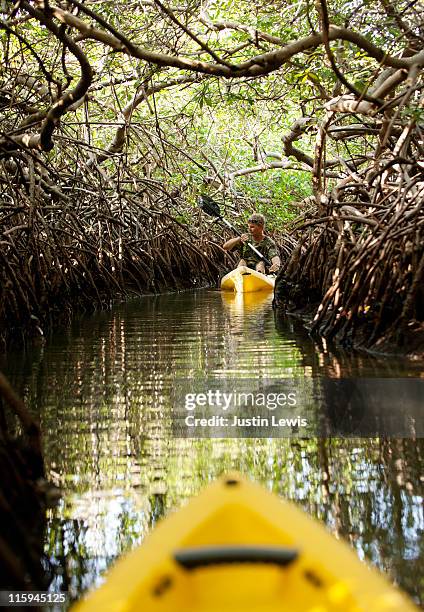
x: 101, y: 390
x: 240, y: 305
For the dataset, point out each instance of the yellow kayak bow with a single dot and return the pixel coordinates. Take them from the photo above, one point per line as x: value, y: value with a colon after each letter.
x: 246, y: 280
x: 238, y: 548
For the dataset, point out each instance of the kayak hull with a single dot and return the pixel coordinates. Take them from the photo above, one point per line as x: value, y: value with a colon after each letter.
x: 246, y: 280
x: 236, y: 547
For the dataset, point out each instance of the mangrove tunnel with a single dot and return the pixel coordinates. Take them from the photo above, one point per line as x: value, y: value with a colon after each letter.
x: 117, y: 118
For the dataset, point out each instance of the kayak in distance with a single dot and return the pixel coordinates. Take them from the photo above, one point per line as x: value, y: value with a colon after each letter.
x: 239, y: 548
x: 246, y: 280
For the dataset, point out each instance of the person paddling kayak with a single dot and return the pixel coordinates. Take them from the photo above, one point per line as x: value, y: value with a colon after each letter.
x: 264, y: 244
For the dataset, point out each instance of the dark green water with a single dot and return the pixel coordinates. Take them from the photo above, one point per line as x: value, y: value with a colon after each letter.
x: 102, y: 390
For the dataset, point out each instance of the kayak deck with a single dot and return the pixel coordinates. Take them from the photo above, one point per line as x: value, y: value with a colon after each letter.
x: 237, y: 547
x: 246, y: 280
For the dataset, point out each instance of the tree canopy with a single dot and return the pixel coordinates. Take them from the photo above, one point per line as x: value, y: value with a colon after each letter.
x: 121, y: 112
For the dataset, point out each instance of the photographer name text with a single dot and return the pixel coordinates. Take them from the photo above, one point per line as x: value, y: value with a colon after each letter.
x: 241, y: 421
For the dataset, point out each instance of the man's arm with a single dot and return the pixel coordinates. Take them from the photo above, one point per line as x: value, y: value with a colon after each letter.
x: 276, y: 263
x: 274, y: 257
x: 233, y: 242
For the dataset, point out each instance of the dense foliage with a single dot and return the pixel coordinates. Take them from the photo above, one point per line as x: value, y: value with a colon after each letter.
x: 116, y: 115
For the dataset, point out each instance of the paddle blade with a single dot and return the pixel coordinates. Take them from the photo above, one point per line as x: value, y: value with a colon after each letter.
x: 209, y: 206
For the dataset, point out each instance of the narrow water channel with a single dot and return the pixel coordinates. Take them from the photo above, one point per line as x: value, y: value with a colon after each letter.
x: 102, y: 390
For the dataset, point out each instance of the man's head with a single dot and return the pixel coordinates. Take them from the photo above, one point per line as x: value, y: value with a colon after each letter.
x: 256, y: 224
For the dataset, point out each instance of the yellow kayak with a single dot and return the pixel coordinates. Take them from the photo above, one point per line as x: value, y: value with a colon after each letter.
x: 238, y: 548
x: 246, y: 280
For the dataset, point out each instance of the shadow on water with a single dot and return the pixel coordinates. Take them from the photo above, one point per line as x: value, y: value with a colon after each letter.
x: 102, y: 390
